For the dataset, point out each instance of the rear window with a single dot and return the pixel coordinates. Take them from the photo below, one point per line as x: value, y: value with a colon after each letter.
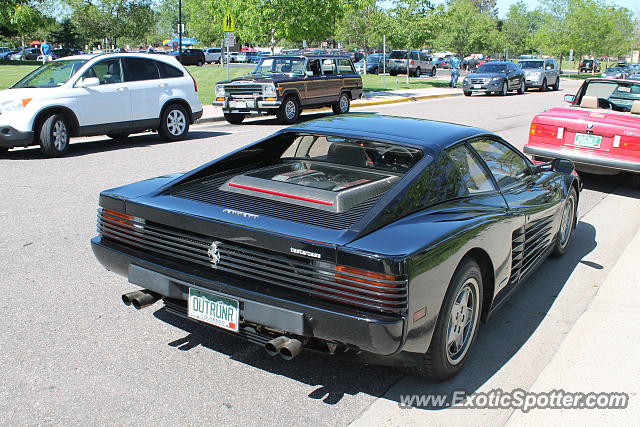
x: 398, y: 54
x: 353, y: 152
x: 168, y: 71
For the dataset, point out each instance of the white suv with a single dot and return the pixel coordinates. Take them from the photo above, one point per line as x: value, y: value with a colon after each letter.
x: 110, y: 94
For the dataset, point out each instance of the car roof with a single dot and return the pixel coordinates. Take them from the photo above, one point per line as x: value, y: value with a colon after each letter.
x: 411, y: 131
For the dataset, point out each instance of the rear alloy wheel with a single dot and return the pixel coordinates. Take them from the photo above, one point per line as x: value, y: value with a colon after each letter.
x: 457, y: 325
x: 521, y: 88
x: 343, y: 105
x: 504, y: 90
x: 118, y: 136
x: 199, y: 64
x: 556, y: 86
x: 54, y: 136
x: 567, y: 225
x: 418, y: 72
x: 543, y: 87
x: 289, y: 111
x: 174, y: 124
x: 234, y: 118
x: 433, y: 72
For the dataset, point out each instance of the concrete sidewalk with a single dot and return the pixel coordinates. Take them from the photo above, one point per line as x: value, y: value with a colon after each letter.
x: 214, y: 114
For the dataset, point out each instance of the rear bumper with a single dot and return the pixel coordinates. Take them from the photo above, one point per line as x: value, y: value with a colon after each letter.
x: 10, y: 137
x: 583, y: 158
x: 376, y: 336
x: 196, y: 115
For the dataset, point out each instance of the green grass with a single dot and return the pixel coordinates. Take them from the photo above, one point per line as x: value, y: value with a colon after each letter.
x: 207, y: 77
x: 579, y: 76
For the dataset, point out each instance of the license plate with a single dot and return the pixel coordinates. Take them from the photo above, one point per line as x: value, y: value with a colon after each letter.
x: 214, y: 309
x: 477, y: 86
x: 238, y: 104
x: 586, y: 140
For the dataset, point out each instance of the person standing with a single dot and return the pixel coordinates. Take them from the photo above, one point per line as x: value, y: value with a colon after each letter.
x: 45, y: 51
x: 455, y: 70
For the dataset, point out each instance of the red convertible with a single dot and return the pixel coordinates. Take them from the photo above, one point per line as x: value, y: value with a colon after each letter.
x: 600, y: 131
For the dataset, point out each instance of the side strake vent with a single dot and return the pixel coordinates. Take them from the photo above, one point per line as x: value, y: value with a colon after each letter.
x: 529, y: 244
x: 207, y: 190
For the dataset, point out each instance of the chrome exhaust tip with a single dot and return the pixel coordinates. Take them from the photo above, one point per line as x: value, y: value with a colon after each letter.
x: 127, y: 298
x: 145, y: 299
x: 291, y: 349
x: 273, y: 347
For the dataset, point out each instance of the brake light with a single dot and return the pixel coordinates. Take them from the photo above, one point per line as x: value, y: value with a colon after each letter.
x: 119, y: 217
x: 372, y: 278
x: 629, y: 142
x: 544, y: 131
x: 413, y: 62
x: 195, y: 84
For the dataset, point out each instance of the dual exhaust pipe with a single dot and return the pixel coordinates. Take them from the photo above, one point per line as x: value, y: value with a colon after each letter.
x: 140, y: 299
x: 285, y: 347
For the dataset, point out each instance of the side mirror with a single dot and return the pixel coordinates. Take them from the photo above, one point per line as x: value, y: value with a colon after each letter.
x: 569, y: 98
x: 565, y: 166
x: 89, y: 82
x: 309, y: 73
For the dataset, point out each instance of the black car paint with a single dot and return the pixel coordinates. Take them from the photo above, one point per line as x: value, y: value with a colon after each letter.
x: 426, y: 243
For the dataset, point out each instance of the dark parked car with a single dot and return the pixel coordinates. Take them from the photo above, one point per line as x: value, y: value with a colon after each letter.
x: 387, y: 239
x: 286, y: 84
x: 375, y: 64
x: 190, y: 57
x: 589, y: 66
x: 495, y: 77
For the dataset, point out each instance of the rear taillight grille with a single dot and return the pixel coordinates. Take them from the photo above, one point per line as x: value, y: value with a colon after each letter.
x: 319, y: 279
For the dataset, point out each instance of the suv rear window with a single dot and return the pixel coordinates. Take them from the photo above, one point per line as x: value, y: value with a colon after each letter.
x: 168, y: 71
x: 398, y: 54
x: 137, y: 69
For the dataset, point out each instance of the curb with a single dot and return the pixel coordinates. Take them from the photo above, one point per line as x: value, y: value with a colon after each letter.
x: 355, y: 104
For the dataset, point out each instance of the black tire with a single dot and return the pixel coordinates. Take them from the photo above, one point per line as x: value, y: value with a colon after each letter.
x: 343, y: 105
x: 563, y: 240
x: 418, y: 72
x: 505, y: 89
x: 466, y: 92
x: 118, y: 136
x: 199, y: 64
x: 393, y: 73
x: 3, y: 151
x: 521, y: 88
x: 54, y: 136
x: 174, y: 123
x: 234, y: 118
x: 376, y: 71
x: 438, y: 363
x: 433, y: 71
x: 556, y: 86
x: 543, y: 86
x: 289, y: 111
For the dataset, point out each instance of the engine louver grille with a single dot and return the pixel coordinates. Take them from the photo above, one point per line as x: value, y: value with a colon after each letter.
x: 529, y: 243
x: 207, y: 191
x: 258, y: 265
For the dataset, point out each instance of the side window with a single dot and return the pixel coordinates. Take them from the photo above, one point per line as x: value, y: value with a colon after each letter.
x: 344, y: 67
x: 168, y: 71
x: 472, y: 176
x: 424, y: 57
x: 137, y: 69
x: 507, y: 166
x: 314, y: 66
x: 328, y: 67
x: 414, y: 55
x: 108, y: 71
x: 550, y: 65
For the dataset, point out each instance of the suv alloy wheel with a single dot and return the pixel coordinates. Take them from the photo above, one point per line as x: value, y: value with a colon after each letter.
x: 54, y: 136
x: 521, y: 88
x: 174, y: 123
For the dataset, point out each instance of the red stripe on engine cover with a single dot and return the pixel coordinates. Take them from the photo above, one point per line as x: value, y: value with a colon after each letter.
x: 275, y: 193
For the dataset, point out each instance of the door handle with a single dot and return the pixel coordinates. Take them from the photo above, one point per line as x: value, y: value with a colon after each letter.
x: 120, y: 89
x: 163, y: 85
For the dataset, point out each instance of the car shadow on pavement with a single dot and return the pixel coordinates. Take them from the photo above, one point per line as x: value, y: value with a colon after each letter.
x: 498, y: 341
x: 104, y: 144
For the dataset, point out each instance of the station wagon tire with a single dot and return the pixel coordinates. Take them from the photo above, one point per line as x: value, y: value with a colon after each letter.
x: 456, y: 327
x: 174, y: 123
x: 521, y: 88
x: 54, y: 136
x: 234, y: 118
x: 567, y: 225
x: 556, y: 86
x: 466, y: 92
x: 343, y: 105
x: 289, y: 111
x: 543, y: 86
x: 118, y: 136
x: 505, y: 89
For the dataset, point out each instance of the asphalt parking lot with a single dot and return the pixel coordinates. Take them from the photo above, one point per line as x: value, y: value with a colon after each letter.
x: 74, y: 354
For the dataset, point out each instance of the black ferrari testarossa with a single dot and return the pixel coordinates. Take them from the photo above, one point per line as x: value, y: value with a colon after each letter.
x: 384, y: 239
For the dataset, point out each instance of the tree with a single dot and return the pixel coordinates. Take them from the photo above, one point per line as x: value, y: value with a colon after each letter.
x: 65, y: 34
x: 364, y: 23
x: 414, y: 23
x: 26, y: 20
x: 519, y: 27
x: 465, y: 30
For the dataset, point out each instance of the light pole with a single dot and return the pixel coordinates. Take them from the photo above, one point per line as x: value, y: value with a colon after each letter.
x: 180, y: 28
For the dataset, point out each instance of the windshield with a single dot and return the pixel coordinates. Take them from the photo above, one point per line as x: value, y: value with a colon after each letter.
x: 492, y: 68
x: 280, y: 66
x: 532, y: 64
x: 53, y: 74
x: 398, y: 54
x: 618, y: 96
x: 613, y: 70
